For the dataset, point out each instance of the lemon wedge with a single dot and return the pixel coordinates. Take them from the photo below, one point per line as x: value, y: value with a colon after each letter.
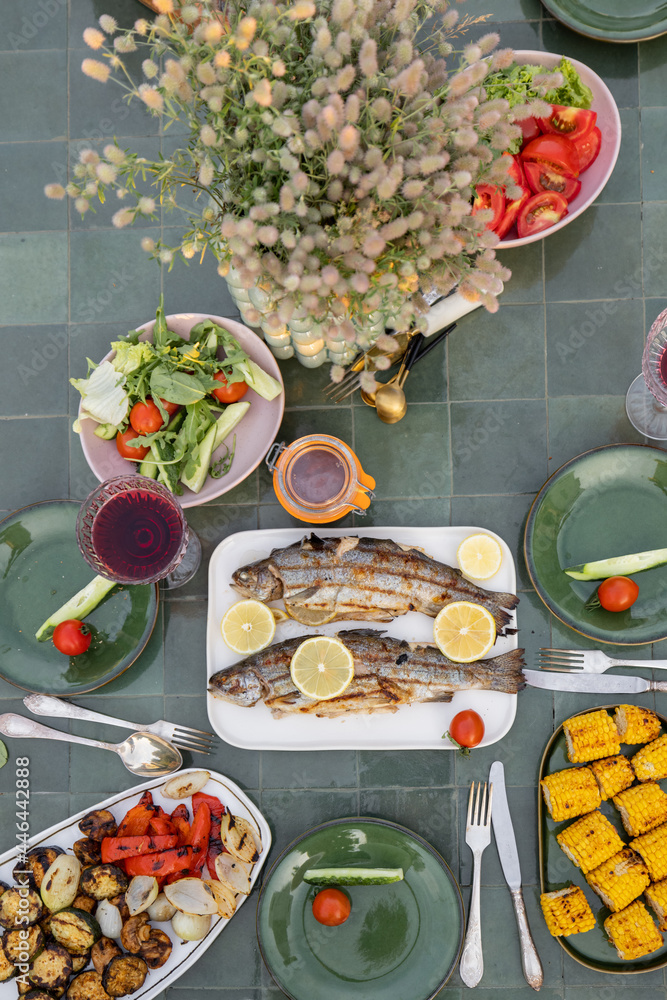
x: 464, y: 631
x: 479, y: 556
x: 322, y: 667
x: 310, y: 616
x: 248, y: 626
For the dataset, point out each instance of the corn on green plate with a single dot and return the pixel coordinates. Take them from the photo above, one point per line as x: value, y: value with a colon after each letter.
x: 607, y: 502
x: 592, y: 948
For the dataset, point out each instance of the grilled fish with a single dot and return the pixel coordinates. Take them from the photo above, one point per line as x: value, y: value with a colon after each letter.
x: 361, y: 579
x: 388, y: 673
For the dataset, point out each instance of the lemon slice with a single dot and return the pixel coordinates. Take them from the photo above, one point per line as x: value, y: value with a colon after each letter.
x: 479, y: 556
x: 322, y: 667
x: 310, y: 616
x: 248, y: 626
x: 464, y: 631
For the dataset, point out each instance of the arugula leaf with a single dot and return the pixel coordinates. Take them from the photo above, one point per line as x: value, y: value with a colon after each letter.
x: 224, y: 464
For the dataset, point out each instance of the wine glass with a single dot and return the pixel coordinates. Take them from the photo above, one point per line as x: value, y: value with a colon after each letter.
x: 132, y: 530
x: 646, y: 400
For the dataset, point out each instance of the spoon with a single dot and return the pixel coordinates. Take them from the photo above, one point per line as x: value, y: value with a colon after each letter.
x: 432, y: 341
x: 390, y: 402
x: 141, y: 753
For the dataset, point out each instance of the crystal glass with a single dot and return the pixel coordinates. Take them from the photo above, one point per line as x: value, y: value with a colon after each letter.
x: 646, y: 400
x: 132, y: 530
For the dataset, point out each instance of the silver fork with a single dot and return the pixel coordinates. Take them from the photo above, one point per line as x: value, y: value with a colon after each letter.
x: 183, y: 737
x: 478, y: 837
x: 591, y: 661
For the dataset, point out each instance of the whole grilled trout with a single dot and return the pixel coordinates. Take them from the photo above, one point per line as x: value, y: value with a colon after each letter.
x: 388, y: 673
x: 362, y: 579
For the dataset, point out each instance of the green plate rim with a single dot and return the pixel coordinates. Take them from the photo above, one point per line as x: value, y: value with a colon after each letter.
x: 611, y: 37
x: 530, y: 521
x: 140, y: 649
x: 541, y: 826
x: 378, y: 822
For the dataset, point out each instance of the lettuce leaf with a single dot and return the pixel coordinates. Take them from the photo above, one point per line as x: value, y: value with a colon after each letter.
x: 129, y: 356
x: 574, y: 93
x: 104, y: 398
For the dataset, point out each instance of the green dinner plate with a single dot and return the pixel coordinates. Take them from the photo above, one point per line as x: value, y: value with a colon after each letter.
x: 401, y: 940
x: 592, y: 948
x: 40, y: 568
x: 608, y: 502
x: 612, y: 20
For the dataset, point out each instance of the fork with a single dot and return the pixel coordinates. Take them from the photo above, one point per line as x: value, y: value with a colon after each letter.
x: 338, y: 391
x: 478, y: 837
x: 591, y: 661
x: 183, y: 737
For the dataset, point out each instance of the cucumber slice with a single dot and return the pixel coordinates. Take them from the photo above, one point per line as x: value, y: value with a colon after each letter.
x: 106, y: 431
x: 225, y: 424
x: 201, y: 457
x: 148, y: 467
x: 618, y: 565
x: 263, y: 384
x: 353, y: 876
x: 77, y: 607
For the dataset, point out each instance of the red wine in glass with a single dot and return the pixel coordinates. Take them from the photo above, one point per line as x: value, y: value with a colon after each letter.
x: 646, y: 400
x: 132, y: 530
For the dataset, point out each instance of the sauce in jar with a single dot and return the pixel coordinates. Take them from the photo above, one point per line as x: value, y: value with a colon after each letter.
x: 317, y: 476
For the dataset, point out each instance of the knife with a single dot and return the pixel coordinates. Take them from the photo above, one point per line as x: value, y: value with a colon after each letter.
x: 576, y: 680
x: 503, y: 831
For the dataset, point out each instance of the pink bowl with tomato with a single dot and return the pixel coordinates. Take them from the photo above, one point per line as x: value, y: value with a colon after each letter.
x: 596, y: 176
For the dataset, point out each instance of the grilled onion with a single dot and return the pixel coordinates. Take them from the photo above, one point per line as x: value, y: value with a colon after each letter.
x: 109, y: 918
x: 141, y: 892
x: 224, y: 897
x: 191, y: 895
x: 190, y: 926
x: 161, y: 909
x: 233, y: 873
x: 184, y: 785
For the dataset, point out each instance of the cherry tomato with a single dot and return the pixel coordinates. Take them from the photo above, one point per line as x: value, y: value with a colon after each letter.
x: 467, y: 728
x: 136, y: 454
x: 171, y: 408
x: 588, y: 148
x: 540, y: 212
x: 228, y: 392
x: 145, y: 417
x: 571, y: 122
x: 72, y: 637
x: 530, y: 129
x: 512, y: 210
x: 541, y: 177
x: 560, y: 153
x: 331, y: 907
x: 617, y: 593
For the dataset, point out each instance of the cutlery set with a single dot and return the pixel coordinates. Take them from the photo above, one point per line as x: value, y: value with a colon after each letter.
x: 580, y: 670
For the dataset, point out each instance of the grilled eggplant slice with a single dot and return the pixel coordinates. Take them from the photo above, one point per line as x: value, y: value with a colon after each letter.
x: 37, y: 863
x: 124, y: 975
x: 59, y: 888
x: 89, y: 852
x: 11, y: 909
x: 98, y: 824
x: 157, y: 949
x: 76, y: 930
x: 87, y: 986
x: 79, y: 962
x: 135, y: 932
x: 83, y: 902
x: 52, y: 968
x: 23, y: 944
x: 103, y: 881
x: 38, y: 995
x: 7, y: 968
x: 103, y: 952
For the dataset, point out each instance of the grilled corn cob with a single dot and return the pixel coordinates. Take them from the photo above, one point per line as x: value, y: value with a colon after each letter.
x: 571, y: 792
x: 612, y: 774
x: 656, y: 897
x: 620, y: 879
x: 632, y: 931
x: 566, y: 911
x: 653, y: 849
x: 636, y: 725
x: 642, y: 807
x: 591, y: 736
x: 650, y: 763
x: 590, y: 841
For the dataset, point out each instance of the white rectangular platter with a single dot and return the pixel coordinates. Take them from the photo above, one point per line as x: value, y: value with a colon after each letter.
x: 412, y: 727
x: 184, y: 953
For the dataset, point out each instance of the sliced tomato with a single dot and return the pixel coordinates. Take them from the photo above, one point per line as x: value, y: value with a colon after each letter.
x: 512, y: 210
x: 574, y: 123
x: 530, y: 129
x: 588, y: 148
x: 515, y: 170
x: 489, y: 196
x: 558, y: 152
x: 541, y: 177
x: 540, y: 212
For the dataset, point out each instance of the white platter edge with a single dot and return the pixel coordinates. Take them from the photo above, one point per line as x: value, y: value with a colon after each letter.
x: 194, y: 949
x: 256, y: 729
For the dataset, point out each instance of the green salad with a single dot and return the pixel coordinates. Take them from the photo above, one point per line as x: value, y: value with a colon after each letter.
x: 163, y: 400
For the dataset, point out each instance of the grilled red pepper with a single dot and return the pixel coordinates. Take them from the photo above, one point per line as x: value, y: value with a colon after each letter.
x: 137, y: 820
x: 181, y: 820
x: 199, y: 837
x: 161, y: 823
x: 214, y: 840
x: 175, y: 861
x: 120, y: 848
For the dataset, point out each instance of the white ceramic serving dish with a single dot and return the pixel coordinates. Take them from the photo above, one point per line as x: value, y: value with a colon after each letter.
x: 185, y: 953
x: 594, y: 179
x: 412, y: 727
x: 254, y: 434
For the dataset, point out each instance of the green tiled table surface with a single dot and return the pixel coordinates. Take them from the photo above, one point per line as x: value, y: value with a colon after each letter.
x: 509, y: 399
